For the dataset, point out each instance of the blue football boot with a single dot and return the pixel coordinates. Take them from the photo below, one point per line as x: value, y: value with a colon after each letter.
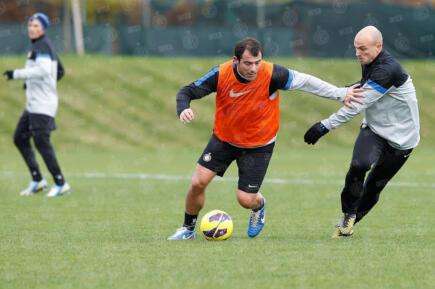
x: 257, y: 221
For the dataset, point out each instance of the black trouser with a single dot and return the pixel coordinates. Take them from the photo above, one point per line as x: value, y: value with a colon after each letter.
x: 252, y: 162
x: 370, y: 152
x: 38, y: 127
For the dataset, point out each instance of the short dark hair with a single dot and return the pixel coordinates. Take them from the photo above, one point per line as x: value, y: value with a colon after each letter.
x: 250, y: 44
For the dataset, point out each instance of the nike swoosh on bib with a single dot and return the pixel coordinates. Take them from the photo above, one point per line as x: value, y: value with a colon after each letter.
x: 237, y: 94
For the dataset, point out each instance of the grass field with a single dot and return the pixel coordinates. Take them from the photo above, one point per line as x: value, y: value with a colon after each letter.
x: 129, y: 162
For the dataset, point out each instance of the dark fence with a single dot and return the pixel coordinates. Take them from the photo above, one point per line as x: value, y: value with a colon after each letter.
x: 211, y: 28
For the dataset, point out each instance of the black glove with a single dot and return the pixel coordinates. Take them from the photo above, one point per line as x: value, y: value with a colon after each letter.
x: 315, y: 132
x: 9, y: 74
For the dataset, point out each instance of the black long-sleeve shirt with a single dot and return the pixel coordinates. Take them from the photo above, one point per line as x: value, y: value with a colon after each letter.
x: 282, y: 78
x: 208, y: 84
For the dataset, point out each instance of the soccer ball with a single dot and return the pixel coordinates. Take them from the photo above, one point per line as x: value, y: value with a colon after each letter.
x: 216, y: 225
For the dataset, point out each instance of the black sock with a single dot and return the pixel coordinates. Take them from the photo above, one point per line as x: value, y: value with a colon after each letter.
x: 36, y: 176
x: 190, y: 221
x: 59, y: 180
x: 260, y: 207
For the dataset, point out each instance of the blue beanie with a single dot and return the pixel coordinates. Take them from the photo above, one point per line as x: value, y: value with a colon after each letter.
x: 42, y: 18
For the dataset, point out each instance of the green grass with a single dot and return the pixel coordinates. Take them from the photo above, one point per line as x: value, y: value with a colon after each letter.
x: 110, y: 232
x: 129, y: 102
x: 119, y: 124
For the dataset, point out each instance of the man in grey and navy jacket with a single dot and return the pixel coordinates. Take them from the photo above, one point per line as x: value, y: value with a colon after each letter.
x: 389, y: 132
x: 42, y: 71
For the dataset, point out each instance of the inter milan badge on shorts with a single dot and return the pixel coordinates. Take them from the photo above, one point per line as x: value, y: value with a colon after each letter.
x: 207, y: 157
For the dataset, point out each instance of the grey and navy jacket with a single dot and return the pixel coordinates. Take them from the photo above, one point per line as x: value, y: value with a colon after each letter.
x: 390, y: 104
x: 42, y: 71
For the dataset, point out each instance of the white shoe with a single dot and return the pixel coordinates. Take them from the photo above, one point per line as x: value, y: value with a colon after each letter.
x: 34, y: 187
x: 183, y: 234
x: 57, y: 191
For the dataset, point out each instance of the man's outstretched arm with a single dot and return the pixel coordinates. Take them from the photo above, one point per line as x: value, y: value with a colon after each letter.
x: 288, y: 79
x: 198, y: 89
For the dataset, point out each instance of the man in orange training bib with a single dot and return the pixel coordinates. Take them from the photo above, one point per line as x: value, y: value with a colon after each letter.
x: 245, y: 127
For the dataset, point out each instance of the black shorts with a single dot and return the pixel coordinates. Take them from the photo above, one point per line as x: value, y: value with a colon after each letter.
x: 31, y: 122
x: 252, y: 162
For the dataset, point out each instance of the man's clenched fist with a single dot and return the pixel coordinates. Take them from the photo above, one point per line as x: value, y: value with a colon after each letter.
x: 9, y: 74
x: 187, y: 115
x: 315, y: 132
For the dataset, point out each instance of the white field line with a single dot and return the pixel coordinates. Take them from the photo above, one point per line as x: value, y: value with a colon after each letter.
x: 303, y: 180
